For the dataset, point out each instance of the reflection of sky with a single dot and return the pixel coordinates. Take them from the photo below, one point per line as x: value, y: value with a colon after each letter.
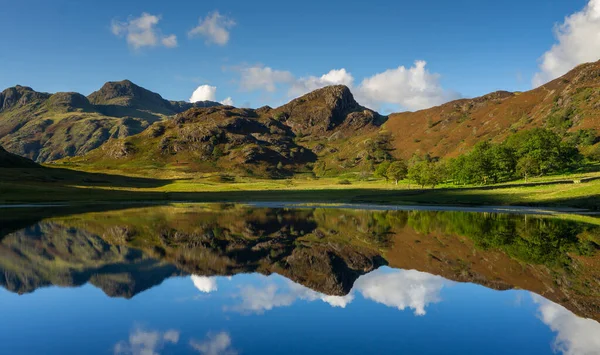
x: 574, y: 335
x: 254, y: 314
x: 399, y: 289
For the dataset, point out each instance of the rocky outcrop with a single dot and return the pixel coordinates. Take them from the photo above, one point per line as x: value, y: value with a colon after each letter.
x: 320, y: 112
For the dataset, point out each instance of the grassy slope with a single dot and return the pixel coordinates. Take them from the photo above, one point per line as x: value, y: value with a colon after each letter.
x: 53, y: 184
x: 453, y: 128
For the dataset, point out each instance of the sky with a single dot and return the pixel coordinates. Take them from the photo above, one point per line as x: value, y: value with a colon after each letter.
x: 395, y: 55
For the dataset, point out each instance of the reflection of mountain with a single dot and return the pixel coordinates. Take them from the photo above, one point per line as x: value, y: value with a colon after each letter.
x: 125, y: 252
x: 50, y: 254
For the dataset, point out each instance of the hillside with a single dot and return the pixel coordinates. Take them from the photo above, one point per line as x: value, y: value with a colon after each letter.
x: 263, y: 142
x: 568, y: 104
x: 9, y: 160
x: 45, y: 127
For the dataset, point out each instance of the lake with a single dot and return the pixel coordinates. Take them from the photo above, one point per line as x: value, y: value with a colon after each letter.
x: 240, y: 279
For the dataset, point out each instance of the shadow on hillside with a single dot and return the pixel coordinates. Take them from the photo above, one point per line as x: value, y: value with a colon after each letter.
x: 57, y: 177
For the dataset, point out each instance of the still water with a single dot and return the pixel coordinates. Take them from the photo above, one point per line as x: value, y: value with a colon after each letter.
x: 234, y: 279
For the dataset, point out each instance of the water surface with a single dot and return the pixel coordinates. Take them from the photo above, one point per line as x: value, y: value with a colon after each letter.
x: 239, y: 279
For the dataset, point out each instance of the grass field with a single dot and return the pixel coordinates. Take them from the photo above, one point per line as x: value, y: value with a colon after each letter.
x: 62, y: 185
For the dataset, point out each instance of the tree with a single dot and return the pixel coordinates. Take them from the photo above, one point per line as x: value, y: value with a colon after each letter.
x: 397, y: 171
x: 428, y: 173
x: 527, y: 166
x: 382, y: 170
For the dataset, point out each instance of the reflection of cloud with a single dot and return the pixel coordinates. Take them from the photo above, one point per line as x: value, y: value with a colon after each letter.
x: 394, y: 288
x: 282, y: 294
x: 146, y: 342
x: 401, y: 289
x: 574, y: 335
x: 214, y: 344
x: 205, y: 284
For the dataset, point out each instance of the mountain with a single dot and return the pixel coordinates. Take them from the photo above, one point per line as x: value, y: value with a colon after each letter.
x: 9, y: 160
x: 120, y: 97
x: 45, y: 127
x: 568, y: 104
x: 325, y: 131
x: 262, y: 142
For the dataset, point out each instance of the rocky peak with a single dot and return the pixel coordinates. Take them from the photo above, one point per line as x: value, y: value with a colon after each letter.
x: 69, y: 101
x: 121, y: 89
x: 323, y: 110
x: 19, y: 96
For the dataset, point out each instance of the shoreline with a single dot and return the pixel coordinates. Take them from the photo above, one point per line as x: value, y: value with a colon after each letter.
x: 525, y: 210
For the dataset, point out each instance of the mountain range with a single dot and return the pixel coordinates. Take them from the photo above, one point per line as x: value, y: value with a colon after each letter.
x: 45, y: 127
x: 325, y: 131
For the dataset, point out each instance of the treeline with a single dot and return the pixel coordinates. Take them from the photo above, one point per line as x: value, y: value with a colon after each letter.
x: 535, y: 152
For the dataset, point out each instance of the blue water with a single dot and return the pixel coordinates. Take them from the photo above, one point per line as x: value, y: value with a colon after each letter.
x: 78, y: 285
x: 388, y: 311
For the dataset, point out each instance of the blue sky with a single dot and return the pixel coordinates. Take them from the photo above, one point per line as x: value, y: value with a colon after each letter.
x: 266, y: 52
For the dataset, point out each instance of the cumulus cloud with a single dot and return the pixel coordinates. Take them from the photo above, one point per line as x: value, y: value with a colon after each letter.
x: 142, y: 32
x: 214, y: 28
x: 310, y: 83
x: 228, y: 101
x: 208, y: 93
x: 414, y: 88
x: 402, y: 289
x: 204, y: 93
x: 578, y: 41
x: 214, y: 344
x: 143, y: 342
x: 411, y: 88
x: 574, y: 335
x: 205, y: 284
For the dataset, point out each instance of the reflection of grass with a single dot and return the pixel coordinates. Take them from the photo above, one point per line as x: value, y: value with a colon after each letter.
x: 44, y: 185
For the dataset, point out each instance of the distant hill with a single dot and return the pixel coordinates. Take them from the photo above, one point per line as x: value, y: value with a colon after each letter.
x: 567, y: 104
x: 45, y: 127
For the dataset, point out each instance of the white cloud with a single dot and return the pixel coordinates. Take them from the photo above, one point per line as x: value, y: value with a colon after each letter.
x: 401, y: 289
x: 142, y: 32
x: 414, y: 88
x: 208, y: 93
x: 205, y: 284
x: 142, y: 342
x: 214, y: 28
x: 574, y: 335
x: 228, y: 101
x: 169, y: 41
x: 214, y: 344
x: 411, y: 88
x: 333, y: 77
x: 578, y: 42
x: 264, y: 78
x: 204, y: 93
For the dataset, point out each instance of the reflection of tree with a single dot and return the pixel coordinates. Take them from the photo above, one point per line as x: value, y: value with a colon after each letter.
x: 532, y: 240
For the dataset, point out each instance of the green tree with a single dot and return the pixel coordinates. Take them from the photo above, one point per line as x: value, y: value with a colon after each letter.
x: 382, y: 170
x: 397, y: 171
x: 527, y: 166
